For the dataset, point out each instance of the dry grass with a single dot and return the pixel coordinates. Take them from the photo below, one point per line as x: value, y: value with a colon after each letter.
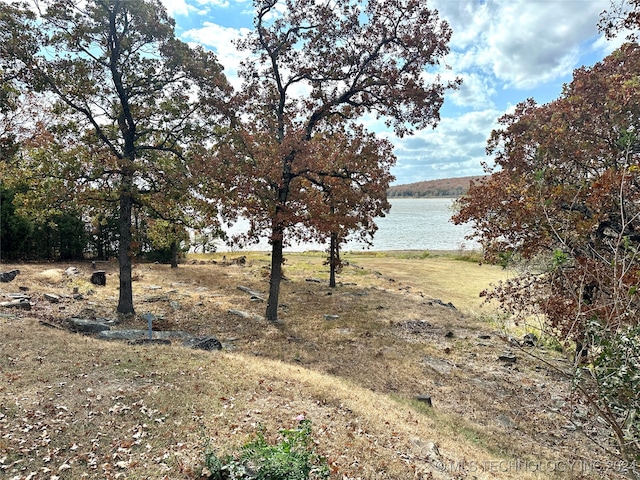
x: 73, y: 407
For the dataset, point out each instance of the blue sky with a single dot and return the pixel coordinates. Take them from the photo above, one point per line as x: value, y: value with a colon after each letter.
x: 504, y: 50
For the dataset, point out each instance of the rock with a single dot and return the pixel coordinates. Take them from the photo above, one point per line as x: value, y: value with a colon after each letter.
x: 19, y: 296
x: 172, y: 334
x: 437, y: 301
x: 239, y: 313
x: 141, y: 337
x: 52, y: 298
x: 255, y: 296
x: 331, y: 317
x: 22, y: 304
x: 530, y: 340
x: 158, y: 298
x: 484, y: 337
x: 142, y: 334
x: 203, y: 343
x: 508, y: 358
x: 357, y: 294
x: 6, y: 277
x: 150, y: 341
x: 99, y: 277
x: 426, y: 399
x: 122, y: 334
x: 82, y: 325
x: 449, y: 334
x: 443, y: 367
x: 71, y: 271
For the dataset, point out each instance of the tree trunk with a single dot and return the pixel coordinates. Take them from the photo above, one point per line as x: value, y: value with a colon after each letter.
x: 275, y: 277
x: 174, y: 254
x: 333, y: 259
x: 277, y: 236
x: 125, y: 300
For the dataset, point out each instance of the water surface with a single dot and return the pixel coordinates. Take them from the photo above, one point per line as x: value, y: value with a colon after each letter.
x: 412, y: 224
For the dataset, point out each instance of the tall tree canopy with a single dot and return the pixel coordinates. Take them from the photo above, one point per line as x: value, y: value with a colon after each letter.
x: 133, y: 97
x: 566, y: 185
x: 565, y: 194
x: 314, y: 64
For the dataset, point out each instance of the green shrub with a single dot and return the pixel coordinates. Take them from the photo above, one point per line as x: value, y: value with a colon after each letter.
x: 294, y: 458
x: 616, y: 368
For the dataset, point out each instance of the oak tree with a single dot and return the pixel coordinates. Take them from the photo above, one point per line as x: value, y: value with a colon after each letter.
x: 345, y: 189
x: 315, y: 63
x: 133, y: 95
x: 564, y: 196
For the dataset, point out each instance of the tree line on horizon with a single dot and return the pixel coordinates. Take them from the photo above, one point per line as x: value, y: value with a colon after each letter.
x: 453, y: 187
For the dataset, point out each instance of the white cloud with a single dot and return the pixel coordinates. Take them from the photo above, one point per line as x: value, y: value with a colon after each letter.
x: 176, y: 7
x: 214, y: 3
x: 608, y: 46
x: 221, y: 40
x: 199, y: 7
x: 522, y: 43
x: 476, y: 91
x: 455, y: 148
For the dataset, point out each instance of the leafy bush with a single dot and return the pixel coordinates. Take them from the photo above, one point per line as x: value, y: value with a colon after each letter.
x: 616, y: 369
x: 294, y: 458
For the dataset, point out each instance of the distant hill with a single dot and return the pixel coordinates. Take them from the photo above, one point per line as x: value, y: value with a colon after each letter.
x: 446, y: 187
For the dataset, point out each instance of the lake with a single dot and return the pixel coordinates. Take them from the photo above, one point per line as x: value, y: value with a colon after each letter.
x: 412, y: 224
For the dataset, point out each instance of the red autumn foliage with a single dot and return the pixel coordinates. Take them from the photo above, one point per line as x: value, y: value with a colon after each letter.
x: 565, y: 193
x: 315, y: 66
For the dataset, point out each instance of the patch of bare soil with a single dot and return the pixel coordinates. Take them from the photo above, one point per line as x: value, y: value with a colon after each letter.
x: 390, y: 327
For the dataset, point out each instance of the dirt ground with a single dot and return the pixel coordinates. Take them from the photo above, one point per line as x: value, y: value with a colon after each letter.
x: 398, y: 325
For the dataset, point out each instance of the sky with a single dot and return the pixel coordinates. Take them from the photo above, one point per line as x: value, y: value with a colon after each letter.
x: 505, y: 51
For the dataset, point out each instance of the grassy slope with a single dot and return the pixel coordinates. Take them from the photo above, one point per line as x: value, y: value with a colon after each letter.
x: 73, y: 406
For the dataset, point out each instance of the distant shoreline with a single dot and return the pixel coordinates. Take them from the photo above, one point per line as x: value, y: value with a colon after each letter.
x: 443, y: 188
x: 355, y: 252
x: 426, y: 197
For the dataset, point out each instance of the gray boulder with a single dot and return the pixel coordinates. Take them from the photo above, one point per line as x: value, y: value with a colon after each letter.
x: 52, y: 297
x: 82, y: 325
x: 22, y: 304
x: 6, y: 277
